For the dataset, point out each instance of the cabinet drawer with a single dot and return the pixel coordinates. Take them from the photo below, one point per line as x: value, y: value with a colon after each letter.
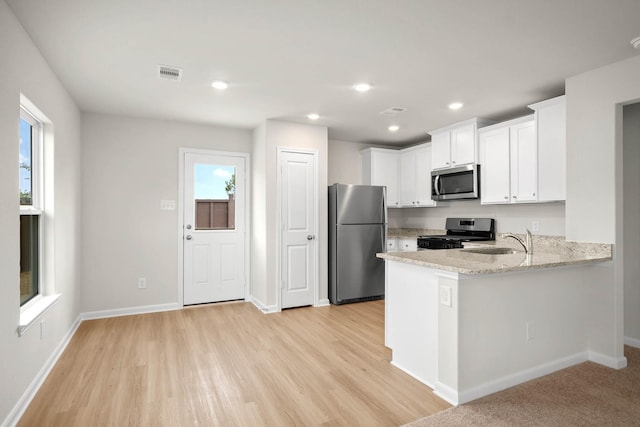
x: 408, y: 244
x: 392, y: 245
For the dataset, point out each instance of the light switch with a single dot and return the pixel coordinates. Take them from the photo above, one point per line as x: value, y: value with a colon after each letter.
x: 445, y: 296
x: 167, y: 205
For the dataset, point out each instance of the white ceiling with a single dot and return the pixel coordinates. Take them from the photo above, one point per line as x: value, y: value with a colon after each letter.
x: 287, y: 58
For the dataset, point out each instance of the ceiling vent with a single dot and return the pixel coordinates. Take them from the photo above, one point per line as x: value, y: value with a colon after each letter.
x: 166, y: 72
x: 393, y: 111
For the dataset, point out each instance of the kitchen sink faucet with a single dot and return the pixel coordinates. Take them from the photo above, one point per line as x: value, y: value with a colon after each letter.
x: 527, y: 244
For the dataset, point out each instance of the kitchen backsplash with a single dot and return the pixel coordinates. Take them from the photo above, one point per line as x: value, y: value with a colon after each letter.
x: 509, y: 218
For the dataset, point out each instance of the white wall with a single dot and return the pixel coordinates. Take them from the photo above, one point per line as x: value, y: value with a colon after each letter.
x: 345, y: 165
x: 266, y: 140
x: 631, y: 188
x: 509, y: 218
x: 25, y: 71
x: 595, y: 181
x: 128, y: 166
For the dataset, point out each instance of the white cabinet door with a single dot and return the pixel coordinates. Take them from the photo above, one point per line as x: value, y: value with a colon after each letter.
x: 463, y: 145
x: 552, y: 149
x: 495, y: 171
x: 524, y: 163
x: 509, y: 171
x: 441, y: 150
x: 408, y: 178
x: 423, y: 177
x: 380, y: 167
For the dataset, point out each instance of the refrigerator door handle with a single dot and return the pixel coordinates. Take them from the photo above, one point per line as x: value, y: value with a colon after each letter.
x: 384, y: 206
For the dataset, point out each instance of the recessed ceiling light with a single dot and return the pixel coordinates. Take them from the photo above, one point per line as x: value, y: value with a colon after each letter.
x: 456, y: 105
x: 393, y: 128
x: 220, y: 85
x: 313, y: 116
x: 362, y: 87
x: 636, y: 42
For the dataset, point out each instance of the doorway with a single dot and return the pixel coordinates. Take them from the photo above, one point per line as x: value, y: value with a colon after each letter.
x: 213, y: 226
x: 298, y: 190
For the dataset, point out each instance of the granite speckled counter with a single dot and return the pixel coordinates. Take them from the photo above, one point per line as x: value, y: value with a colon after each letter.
x: 548, y: 252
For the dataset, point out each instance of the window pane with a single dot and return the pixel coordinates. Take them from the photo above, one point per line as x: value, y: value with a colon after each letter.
x: 214, y: 193
x: 28, y: 257
x: 26, y: 147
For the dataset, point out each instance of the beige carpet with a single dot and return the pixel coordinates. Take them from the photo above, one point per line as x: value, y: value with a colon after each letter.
x: 587, y: 394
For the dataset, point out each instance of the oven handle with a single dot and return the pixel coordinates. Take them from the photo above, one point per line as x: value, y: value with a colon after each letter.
x: 436, y: 184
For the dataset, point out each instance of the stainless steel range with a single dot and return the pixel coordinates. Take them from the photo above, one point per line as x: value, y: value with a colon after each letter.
x: 460, y: 230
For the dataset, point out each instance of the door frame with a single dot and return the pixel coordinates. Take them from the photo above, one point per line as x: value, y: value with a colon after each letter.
x: 182, y: 151
x: 279, y: 223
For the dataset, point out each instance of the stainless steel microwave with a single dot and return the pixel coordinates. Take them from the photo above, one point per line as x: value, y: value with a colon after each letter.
x: 462, y: 182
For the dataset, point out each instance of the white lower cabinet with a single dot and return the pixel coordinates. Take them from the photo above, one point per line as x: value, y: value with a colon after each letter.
x: 408, y: 244
x: 401, y: 244
x: 509, y: 168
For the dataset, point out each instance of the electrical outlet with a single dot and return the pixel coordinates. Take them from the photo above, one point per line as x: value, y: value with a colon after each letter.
x: 535, y: 226
x: 531, y: 330
x: 142, y: 283
x: 445, y: 296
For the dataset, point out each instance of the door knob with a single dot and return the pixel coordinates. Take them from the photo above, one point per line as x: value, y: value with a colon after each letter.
x: 188, y: 237
x: 310, y: 237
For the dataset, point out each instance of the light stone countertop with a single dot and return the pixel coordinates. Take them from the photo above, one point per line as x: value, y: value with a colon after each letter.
x: 548, y: 252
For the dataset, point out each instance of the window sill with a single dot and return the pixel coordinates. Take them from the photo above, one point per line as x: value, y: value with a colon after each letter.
x: 29, y: 316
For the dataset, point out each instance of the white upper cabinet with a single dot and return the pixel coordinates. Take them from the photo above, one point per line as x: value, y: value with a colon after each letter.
x: 380, y: 167
x: 509, y: 171
x: 455, y: 145
x: 415, y: 176
x: 552, y: 149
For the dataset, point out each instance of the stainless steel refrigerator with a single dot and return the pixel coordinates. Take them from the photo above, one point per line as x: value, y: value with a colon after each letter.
x: 357, y: 231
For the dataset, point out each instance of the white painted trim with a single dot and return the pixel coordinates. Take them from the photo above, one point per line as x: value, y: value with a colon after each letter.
x: 447, y: 393
x: 182, y: 151
x: 633, y: 342
x: 128, y: 311
x: 608, y: 361
x: 520, y: 377
x: 28, y: 395
x: 323, y: 303
x: 316, y: 202
x: 35, y: 311
x: 266, y: 309
x: 408, y: 371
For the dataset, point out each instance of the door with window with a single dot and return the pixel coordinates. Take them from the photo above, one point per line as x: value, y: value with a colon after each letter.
x: 214, y: 227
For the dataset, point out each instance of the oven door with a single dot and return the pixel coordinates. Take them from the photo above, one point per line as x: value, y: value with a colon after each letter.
x: 457, y: 183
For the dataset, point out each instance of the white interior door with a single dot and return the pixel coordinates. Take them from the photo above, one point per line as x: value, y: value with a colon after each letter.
x: 298, y: 218
x: 214, y: 228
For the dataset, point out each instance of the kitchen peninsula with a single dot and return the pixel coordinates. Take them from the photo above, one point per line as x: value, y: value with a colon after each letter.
x: 471, y: 322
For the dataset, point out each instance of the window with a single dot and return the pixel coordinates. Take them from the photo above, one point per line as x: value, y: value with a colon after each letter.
x: 31, y: 206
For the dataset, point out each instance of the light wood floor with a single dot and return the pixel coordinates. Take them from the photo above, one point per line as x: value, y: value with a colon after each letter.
x: 231, y: 365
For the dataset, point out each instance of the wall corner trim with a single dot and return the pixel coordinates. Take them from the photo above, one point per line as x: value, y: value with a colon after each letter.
x: 266, y: 309
x: 28, y: 395
x: 633, y: 342
x: 608, y: 361
x: 323, y: 303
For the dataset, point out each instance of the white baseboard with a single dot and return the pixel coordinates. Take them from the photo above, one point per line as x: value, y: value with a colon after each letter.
x: 446, y: 393
x: 129, y: 311
x: 633, y: 342
x: 422, y: 380
x: 608, y: 361
x: 26, y: 398
x: 266, y: 309
x: 323, y: 303
x: 519, y: 378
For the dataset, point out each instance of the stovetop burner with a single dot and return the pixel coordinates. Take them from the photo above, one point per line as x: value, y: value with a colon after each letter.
x: 460, y: 230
